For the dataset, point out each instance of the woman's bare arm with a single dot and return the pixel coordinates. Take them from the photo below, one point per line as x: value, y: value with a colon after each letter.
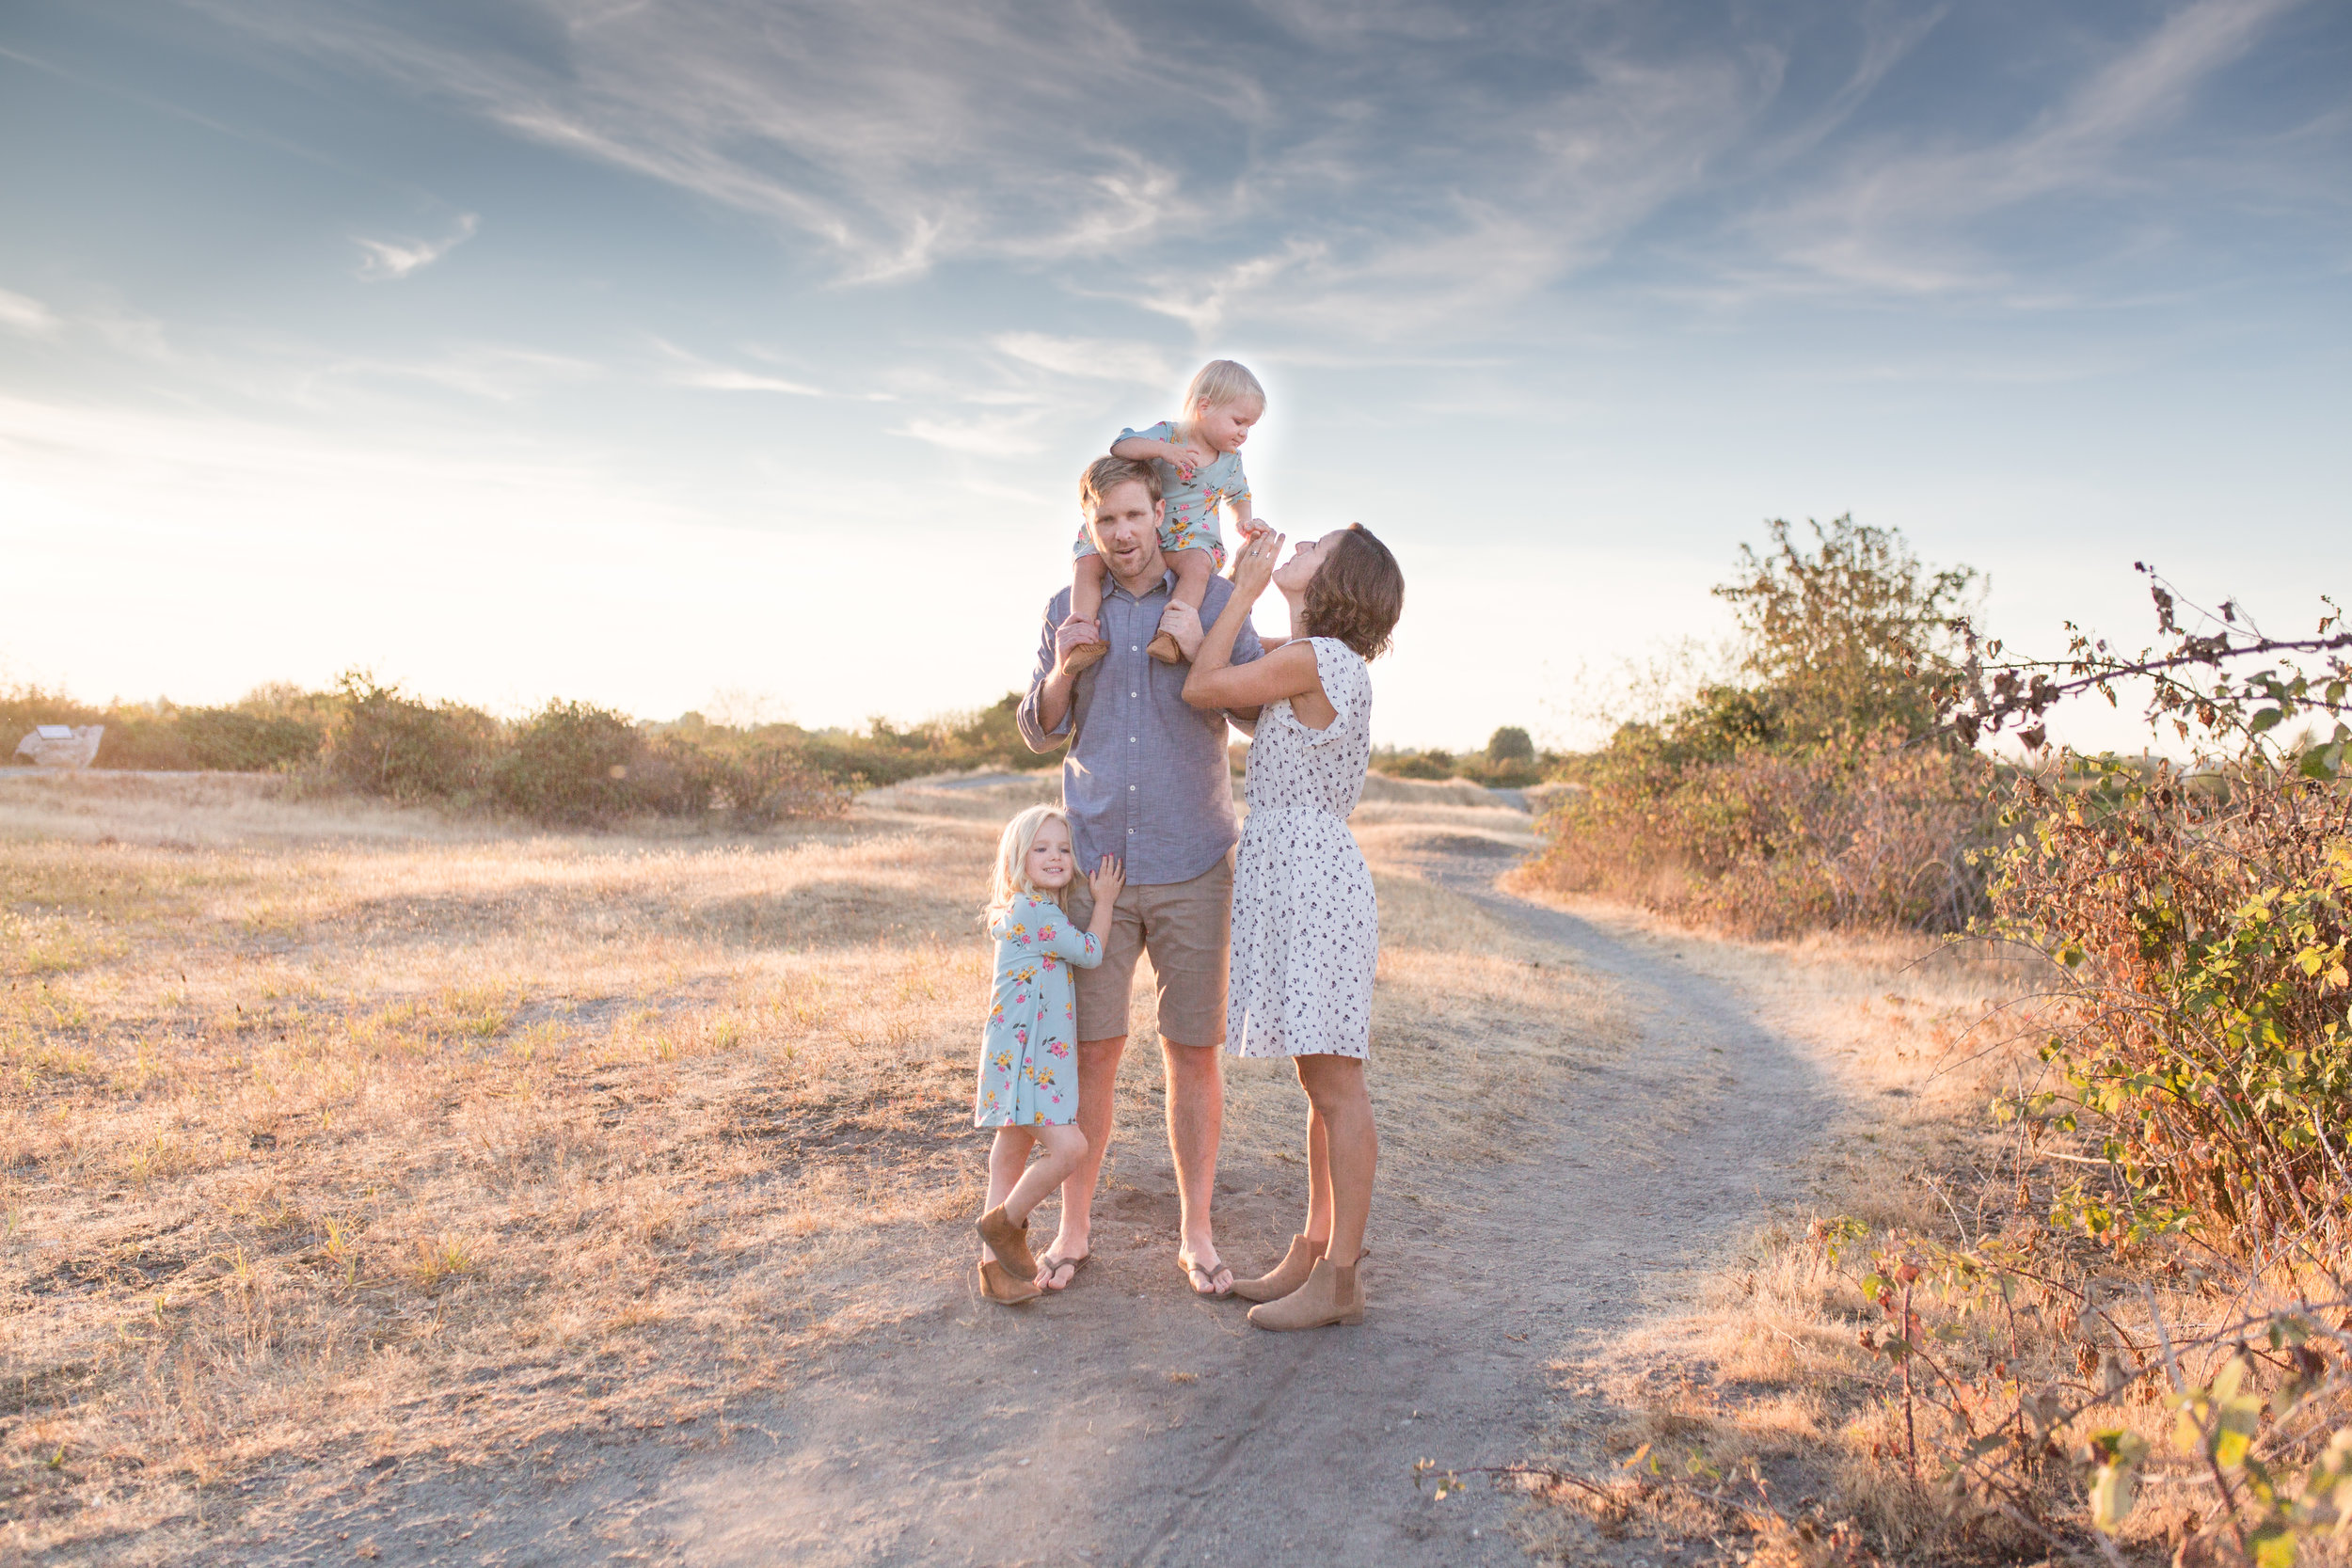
x: 1289, y: 671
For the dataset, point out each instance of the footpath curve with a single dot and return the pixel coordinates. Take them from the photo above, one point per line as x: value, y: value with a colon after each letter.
x: 914, y: 1446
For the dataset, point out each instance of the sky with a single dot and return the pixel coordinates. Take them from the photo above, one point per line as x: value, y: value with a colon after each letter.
x: 742, y: 354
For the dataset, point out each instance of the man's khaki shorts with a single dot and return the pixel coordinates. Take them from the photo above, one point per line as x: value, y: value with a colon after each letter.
x: 1187, y: 928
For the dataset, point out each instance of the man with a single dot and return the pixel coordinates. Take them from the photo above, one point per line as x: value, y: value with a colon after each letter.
x: 1146, y: 780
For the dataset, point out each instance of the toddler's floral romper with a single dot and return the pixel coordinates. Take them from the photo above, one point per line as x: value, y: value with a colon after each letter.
x: 1028, y: 1052
x: 1188, y: 515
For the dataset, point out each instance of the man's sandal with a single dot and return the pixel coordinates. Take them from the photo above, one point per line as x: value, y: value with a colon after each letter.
x: 1051, y: 1266
x: 999, y: 1283
x: 1204, y: 1277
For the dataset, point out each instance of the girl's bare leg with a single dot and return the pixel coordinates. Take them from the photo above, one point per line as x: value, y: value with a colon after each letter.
x: 1318, y: 1178
x: 1006, y: 1156
x: 1060, y: 1149
x: 1086, y: 588
x: 1193, y: 570
x: 1335, y: 1085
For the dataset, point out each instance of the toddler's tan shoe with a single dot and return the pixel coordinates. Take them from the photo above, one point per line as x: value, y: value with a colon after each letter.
x: 1165, y: 649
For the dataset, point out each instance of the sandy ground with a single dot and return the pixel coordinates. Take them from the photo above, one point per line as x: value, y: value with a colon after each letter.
x: 1128, y: 1422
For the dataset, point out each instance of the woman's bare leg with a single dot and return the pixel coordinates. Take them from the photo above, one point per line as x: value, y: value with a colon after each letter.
x: 1318, y: 1177
x: 1335, y: 1085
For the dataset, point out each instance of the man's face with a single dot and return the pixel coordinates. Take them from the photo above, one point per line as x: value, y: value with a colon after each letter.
x: 1125, y: 524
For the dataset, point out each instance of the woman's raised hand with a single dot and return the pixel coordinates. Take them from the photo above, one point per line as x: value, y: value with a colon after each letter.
x: 1105, y: 880
x: 1254, y: 567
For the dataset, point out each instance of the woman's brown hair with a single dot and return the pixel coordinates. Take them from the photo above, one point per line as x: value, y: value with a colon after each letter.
x: 1357, y: 594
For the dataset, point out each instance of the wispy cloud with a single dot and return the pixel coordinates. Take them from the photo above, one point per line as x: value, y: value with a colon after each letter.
x: 681, y: 369
x: 387, y: 260
x: 1088, y: 358
x: 21, y: 313
x: 1910, y: 220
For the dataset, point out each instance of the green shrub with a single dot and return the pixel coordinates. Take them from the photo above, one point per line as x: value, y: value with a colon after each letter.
x: 1819, y: 793
x: 1420, y: 764
x: 233, y: 740
x: 384, y: 743
x: 569, y: 764
x: 1510, y: 744
x: 756, y: 778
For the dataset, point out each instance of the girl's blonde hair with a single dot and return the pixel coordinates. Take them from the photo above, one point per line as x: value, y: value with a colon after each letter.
x: 1012, y: 876
x: 1221, y: 382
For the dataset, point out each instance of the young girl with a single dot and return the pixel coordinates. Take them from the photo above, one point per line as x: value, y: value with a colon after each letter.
x: 1028, y: 1067
x: 1198, y: 460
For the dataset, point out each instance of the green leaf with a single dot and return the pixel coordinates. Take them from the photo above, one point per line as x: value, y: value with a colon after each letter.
x: 2112, y: 1494
x: 2267, y: 719
x: 2274, y: 1547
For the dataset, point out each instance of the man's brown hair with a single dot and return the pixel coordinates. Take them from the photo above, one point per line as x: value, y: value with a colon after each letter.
x: 1357, y: 594
x: 1106, y: 474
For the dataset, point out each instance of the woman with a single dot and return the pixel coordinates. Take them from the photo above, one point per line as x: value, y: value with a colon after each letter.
x: 1306, y: 929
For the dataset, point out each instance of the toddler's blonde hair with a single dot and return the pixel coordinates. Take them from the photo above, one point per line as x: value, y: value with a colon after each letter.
x: 1012, y: 876
x: 1222, y: 382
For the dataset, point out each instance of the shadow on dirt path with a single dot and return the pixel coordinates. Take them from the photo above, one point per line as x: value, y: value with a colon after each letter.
x: 1129, y: 1423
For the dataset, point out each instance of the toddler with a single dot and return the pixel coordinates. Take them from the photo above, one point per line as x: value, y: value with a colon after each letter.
x: 1029, y: 1051
x: 1198, y: 458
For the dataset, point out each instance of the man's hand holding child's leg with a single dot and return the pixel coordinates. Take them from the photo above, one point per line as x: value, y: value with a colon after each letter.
x: 1193, y: 569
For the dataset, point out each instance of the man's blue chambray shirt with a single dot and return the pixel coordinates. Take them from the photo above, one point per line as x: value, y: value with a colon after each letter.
x: 1146, y: 778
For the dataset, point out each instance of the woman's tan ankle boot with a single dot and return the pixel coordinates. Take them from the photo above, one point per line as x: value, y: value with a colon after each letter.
x: 1288, y: 1275
x: 1330, y: 1295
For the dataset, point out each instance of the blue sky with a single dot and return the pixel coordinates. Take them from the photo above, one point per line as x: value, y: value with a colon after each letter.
x: 742, y: 355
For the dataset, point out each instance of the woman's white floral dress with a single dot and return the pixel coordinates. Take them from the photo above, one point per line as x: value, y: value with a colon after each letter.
x: 1028, y: 1067
x: 1305, y: 927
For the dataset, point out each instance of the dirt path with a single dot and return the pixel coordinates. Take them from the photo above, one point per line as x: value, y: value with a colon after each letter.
x: 1128, y: 1423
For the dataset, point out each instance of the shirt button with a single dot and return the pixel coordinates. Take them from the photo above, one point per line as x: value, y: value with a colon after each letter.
x: 1131, y: 646
x: 1131, y: 789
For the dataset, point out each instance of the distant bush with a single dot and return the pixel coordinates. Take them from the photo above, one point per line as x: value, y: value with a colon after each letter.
x: 383, y: 742
x: 1510, y: 761
x: 756, y: 778
x: 568, y: 764
x: 1816, y: 792
x: 1510, y: 744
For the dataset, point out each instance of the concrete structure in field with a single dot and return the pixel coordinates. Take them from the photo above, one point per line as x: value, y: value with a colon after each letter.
x: 61, y: 745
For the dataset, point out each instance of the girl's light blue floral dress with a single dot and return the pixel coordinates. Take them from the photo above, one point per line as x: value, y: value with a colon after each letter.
x: 1189, y: 521
x: 1029, y: 1058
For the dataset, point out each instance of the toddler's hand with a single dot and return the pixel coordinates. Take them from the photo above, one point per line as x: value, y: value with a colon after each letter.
x: 1183, y: 623
x: 1253, y: 569
x: 1105, y: 880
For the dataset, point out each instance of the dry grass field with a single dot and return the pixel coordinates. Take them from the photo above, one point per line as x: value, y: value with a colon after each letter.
x: 333, y: 1136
